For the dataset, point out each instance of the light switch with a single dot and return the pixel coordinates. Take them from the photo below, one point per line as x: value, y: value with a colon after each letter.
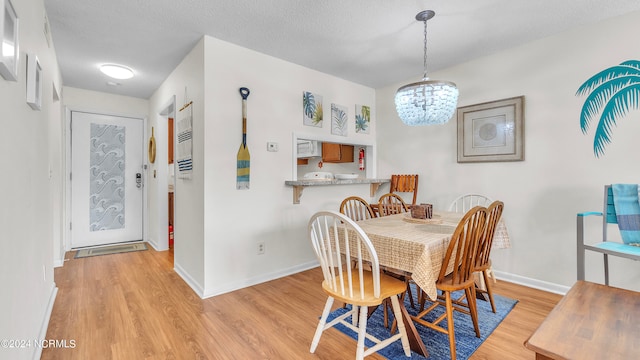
x: 272, y: 146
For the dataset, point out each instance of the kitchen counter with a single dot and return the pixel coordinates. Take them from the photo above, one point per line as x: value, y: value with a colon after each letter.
x: 299, y: 185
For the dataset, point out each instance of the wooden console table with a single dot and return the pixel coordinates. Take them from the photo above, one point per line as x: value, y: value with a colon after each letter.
x: 592, y: 321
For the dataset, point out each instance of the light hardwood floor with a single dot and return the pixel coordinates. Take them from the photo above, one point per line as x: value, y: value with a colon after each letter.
x: 134, y: 306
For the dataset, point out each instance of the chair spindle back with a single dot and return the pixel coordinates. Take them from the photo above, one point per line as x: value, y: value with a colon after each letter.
x: 460, y: 255
x: 337, y: 239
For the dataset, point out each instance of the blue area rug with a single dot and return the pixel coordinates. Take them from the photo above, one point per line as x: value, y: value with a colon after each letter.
x: 437, y: 343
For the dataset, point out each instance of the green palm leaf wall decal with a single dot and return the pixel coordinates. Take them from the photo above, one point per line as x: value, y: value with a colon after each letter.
x: 612, y: 93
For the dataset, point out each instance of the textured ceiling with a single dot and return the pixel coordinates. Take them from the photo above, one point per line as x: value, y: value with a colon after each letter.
x: 371, y: 42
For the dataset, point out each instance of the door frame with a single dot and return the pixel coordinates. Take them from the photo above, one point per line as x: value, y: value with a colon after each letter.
x: 162, y: 184
x: 66, y: 218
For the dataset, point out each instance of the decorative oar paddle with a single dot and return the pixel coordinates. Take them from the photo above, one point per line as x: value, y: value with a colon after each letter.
x: 242, y: 181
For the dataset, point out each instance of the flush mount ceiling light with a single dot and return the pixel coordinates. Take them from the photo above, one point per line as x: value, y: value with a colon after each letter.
x: 116, y: 71
x: 427, y: 102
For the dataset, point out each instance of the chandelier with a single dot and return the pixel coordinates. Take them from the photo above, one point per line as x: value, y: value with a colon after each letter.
x: 427, y: 102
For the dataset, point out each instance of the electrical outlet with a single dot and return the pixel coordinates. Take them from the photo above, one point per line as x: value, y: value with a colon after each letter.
x: 261, y: 248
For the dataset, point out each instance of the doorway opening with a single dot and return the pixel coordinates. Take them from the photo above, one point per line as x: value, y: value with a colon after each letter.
x: 166, y: 189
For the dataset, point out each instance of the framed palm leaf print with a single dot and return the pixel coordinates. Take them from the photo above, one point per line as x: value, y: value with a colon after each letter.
x: 312, y: 109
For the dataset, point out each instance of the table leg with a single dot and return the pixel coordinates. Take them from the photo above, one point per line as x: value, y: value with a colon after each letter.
x: 480, y: 295
x: 415, y: 342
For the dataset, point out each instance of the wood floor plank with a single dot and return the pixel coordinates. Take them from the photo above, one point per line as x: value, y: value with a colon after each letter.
x: 134, y: 306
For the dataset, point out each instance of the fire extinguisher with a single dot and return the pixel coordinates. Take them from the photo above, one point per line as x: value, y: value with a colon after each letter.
x: 361, y: 159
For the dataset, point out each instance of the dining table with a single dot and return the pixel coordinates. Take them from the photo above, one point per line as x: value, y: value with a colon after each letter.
x: 417, y: 247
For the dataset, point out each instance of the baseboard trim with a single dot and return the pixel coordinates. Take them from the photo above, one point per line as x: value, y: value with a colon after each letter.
x: 197, y: 288
x: 156, y: 246
x: 260, y: 279
x: 45, y: 321
x: 501, y: 275
x: 532, y: 283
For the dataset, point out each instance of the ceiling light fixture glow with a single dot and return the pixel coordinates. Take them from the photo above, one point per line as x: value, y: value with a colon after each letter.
x: 116, y: 71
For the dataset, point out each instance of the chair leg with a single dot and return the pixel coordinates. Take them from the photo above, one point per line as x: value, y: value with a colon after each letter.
x: 422, y: 300
x: 395, y: 318
x: 407, y: 283
x: 403, y: 332
x: 321, y: 323
x: 489, y: 292
x: 606, y: 269
x: 385, y: 313
x: 362, y: 332
x: 473, y: 308
x: 580, y: 247
x: 492, y: 275
x: 354, y: 319
x: 450, y: 331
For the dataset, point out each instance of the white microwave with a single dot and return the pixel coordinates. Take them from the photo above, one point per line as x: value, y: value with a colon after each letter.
x: 309, y: 148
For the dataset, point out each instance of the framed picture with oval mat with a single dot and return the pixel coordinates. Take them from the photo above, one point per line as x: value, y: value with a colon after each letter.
x: 491, y: 131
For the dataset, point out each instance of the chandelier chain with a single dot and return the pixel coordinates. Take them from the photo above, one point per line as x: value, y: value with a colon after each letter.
x: 425, y: 50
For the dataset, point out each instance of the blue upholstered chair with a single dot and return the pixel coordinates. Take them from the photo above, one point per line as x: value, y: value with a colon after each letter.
x: 606, y: 246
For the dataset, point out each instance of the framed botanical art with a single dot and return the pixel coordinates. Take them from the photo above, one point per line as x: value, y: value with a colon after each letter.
x: 9, y: 39
x: 312, y: 109
x: 492, y: 131
x: 339, y: 120
x: 363, y: 119
x: 34, y: 82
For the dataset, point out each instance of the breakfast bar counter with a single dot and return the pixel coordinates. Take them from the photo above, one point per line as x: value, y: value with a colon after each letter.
x: 299, y: 185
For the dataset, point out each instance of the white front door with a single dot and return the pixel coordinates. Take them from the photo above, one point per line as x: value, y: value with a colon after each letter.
x: 106, y: 179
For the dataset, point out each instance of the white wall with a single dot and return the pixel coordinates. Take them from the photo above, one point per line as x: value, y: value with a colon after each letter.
x: 560, y: 175
x: 187, y: 80
x: 104, y: 103
x: 236, y: 220
x: 217, y: 227
x: 31, y: 184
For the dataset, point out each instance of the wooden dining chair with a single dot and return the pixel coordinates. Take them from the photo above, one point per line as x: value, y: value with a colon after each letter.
x: 460, y: 257
x: 334, y: 235
x: 390, y: 204
x: 356, y: 208
x: 405, y: 184
x: 483, y: 259
x: 464, y: 203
